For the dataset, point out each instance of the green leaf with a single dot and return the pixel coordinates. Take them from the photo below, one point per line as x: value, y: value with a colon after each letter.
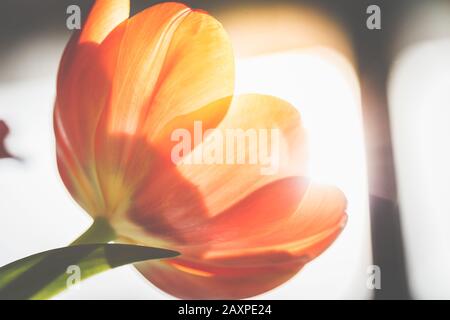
x: 43, y: 275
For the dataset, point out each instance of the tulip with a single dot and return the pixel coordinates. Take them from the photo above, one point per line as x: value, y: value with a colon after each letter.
x: 124, y: 85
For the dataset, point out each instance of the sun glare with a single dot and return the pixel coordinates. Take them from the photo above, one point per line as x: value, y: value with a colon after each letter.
x: 323, y: 86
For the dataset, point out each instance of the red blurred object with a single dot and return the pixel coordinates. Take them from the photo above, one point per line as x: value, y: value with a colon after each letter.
x: 4, y: 131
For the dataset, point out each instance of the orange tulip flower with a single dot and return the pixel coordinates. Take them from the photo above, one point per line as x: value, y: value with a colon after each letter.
x: 124, y: 85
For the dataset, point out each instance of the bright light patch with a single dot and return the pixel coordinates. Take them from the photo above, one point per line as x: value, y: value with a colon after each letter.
x: 419, y: 99
x: 323, y: 86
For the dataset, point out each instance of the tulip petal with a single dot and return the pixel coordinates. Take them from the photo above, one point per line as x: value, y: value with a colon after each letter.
x: 250, y: 112
x: 170, y: 61
x: 104, y: 16
x: 174, y: 200
x: 82, y: 91
x: 172, y: 209
x: 252, y: 217
x: 239, y: 261
x: 82, y: 86
x: 170, y: 66
x: 184, y: 281
x: 310, y: 229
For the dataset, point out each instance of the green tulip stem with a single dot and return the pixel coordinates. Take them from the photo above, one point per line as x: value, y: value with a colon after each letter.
x: 99, y: 232
x: 45, y: 274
